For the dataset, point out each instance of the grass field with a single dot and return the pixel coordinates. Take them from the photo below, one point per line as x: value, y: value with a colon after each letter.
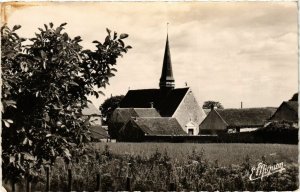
x: 225, y: 153
x: 191, y: 167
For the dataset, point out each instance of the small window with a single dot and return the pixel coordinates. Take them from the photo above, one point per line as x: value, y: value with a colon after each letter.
x: 191, y: 131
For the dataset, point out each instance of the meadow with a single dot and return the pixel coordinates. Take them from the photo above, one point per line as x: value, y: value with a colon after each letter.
x: 184, y: 166
x: 225, y: 153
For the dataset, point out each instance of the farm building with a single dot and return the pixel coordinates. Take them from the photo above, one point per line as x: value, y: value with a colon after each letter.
x: 287, y: 111
x: 137, y: 128
x: 91, y: 113
x: 168, y: 101
x: 121, y: 116
x: 235, y: 120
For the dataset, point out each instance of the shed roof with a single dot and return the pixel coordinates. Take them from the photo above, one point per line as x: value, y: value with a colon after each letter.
x: 247, y: 117
x: 159, y: 126
x: 142, y: 98
x: 98, y: 132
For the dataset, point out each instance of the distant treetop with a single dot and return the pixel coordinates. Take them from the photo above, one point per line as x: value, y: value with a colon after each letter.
x: 295, y: 97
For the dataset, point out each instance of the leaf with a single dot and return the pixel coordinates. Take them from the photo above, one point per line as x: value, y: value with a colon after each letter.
x: 63, y: 24
x: 43, y: 54
x: 67, y: 153
x: 44, y: 64
x: 46, y: 27
x: 128, y: 47
x: 51, y: 25
x: 123, y: 36
x: 108, y: 30
x: 16, y: 27
x: 74, y: 83
x: 48, y: 135
x: 9, y: 121
x: 113, y: 69
x: 121, y: 42
x: 115, y: 35
x: 101, y: 93
x: 96, y: 42
x: 58, y: 30
x: 25, y: 141
x: 6, y: 123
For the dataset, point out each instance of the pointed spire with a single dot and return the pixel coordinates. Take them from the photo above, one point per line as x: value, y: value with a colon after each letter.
x: 167, y: 79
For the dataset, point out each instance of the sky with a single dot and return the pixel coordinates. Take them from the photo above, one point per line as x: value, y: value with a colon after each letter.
x: 225, y: 51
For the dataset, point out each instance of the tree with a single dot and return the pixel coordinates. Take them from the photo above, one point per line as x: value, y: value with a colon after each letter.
x: 45, y: 86
x: 109, y: 105
x: 295, y: 97
x: 211, y: 104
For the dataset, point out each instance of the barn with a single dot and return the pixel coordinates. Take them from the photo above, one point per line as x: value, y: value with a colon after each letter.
x: 137, y: 128
x: 121, y: 116
x: 98, y: 133
x: 287, y: 111
x: 234, y: 120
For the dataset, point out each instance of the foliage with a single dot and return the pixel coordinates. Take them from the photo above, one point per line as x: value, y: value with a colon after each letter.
x: 109, y: 105
x: 156, y: 171
x: 46, y: 81
x: 211, y: 104
x: 295, y: 97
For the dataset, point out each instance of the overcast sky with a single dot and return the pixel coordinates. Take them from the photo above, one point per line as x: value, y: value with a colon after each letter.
x: 229, y: 51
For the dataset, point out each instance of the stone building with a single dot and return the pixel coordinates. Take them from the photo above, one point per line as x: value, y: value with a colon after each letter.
x: 168, y: 101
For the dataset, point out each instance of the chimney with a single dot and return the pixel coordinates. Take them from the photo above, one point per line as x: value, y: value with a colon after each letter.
x: 241, y: 105
x: 151, y: 104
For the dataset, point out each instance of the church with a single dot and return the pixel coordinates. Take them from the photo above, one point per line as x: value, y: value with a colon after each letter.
x: 150, y: 110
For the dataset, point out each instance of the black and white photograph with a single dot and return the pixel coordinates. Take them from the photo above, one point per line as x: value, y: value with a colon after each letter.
x: 149, y: 96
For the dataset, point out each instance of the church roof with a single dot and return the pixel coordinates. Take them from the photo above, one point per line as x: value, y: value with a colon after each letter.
x: 142, y: 98
x: 159, y: 126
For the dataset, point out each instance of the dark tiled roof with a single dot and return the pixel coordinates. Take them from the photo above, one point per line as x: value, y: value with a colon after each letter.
x: 159, y: 126
x: 248, y: 117
x: 142, y: 98
x: 98, y: 132
x: 293, y: 105
x: 146, y: 112
x: 91, y: 110
x: 124, y: 114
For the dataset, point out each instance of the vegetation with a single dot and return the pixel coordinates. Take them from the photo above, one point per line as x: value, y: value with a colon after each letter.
x: 46, y: 81
x: 189, y: 166
x: 211, y: 104
x: 108, y: 107
x: 295, y: 97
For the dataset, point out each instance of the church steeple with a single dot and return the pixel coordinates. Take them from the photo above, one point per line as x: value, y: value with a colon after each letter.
x: 167, y: 80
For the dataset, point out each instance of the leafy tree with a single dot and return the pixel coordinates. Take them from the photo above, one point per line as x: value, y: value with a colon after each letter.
x: 109, y: 105
x: 295, y: 97
x: 45, y: 86
x: 211, y: 104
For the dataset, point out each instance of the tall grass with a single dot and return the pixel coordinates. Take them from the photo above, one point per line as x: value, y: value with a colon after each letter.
x: 190, y: 166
